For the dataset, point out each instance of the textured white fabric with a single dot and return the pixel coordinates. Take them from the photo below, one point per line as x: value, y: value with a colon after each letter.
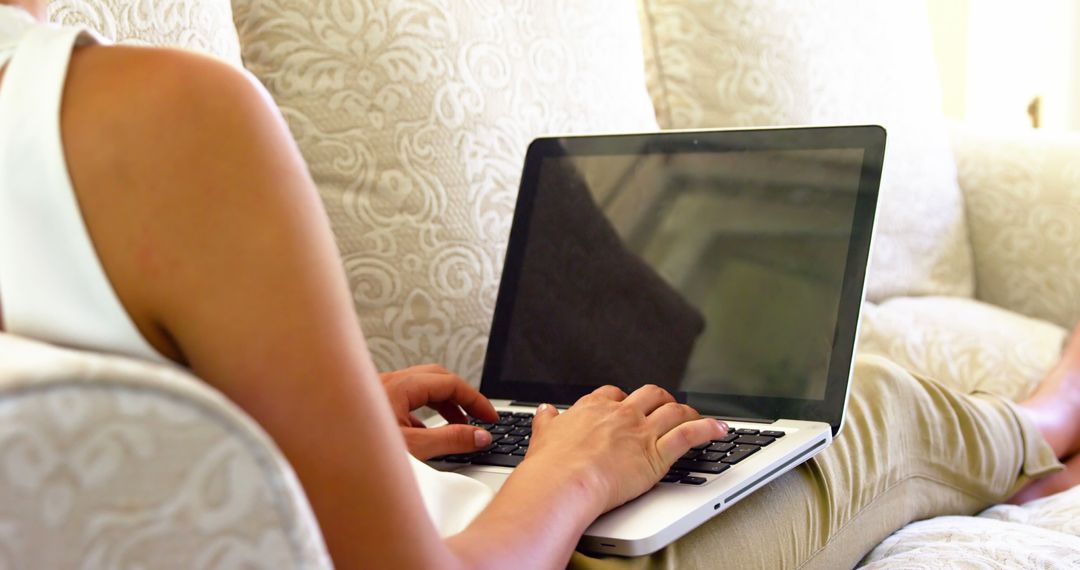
x: 52, y: 284
x: 1038, y: 535
x: 108, y: 462
x: 201, y: 25
x: 965, y: 344
x: 414, y: 118
x: 1023, y: 200
x: 740, y: 63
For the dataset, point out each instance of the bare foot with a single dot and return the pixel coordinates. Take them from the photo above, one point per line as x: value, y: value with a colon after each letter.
x: 1054, y: 407
x: 1050, y: 484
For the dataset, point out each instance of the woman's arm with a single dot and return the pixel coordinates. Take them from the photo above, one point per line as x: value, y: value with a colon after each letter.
x: 211, y: 230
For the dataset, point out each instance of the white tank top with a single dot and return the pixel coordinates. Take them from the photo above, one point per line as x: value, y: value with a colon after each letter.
x: 52, y: 284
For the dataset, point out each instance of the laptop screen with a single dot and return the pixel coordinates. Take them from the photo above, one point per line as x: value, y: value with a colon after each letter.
x: 712, y: 265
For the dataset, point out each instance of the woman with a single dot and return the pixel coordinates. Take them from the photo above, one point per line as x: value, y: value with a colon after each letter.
x: 194, y: 235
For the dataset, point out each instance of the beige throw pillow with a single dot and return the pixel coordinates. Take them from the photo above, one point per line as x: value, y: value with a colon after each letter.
x: 200, y: 25
x: 414, y: 118
x: 735, y: 63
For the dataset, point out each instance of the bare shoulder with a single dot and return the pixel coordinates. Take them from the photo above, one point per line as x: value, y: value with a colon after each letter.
x: 178, y: 162
x: 151, y: 103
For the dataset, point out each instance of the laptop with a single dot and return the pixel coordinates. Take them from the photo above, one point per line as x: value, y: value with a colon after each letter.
x: 726, y: 266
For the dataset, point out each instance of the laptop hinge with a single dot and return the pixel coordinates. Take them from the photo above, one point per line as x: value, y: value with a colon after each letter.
x: 748, y: 420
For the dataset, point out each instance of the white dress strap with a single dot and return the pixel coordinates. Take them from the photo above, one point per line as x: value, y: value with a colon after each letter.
x: 52, y: 284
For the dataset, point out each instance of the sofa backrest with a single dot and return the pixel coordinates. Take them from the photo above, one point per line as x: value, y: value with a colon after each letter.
x: 733, y: 63
x: 201, y: 25
x: 414, y: 118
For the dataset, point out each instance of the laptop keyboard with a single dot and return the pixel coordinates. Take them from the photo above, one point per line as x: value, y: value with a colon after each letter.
x: 510, y: 441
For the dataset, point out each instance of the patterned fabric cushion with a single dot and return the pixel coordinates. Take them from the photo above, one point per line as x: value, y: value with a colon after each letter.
x: 107, y: 462
x: 414, y: 118
x: 1040, y: 534
x: 965, y: 344
x: 201, y: 25
x: 735, y: 63
x: 1023, y: 200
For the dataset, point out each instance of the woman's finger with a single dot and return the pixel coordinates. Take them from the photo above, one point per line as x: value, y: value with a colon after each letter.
x: 432, y: 389
x: 450, y: 411
x: 445, y: 440
x: 679, y: 440
x: 648, y: 398
x: 544, y: 414
x: 608, y: 392
x: 668, y: 416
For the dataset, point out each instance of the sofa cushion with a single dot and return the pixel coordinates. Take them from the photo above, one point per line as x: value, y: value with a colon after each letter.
x: 734, y: 63
x: 414, y: 118
x: 201, y: 25
x: 974, y: 542
x: 1022, y: 191
x: 1041, y: 534
x: 965, y: 344
x: 111, y: 462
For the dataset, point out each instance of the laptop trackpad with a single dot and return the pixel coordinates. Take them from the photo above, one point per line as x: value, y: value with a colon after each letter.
x: 493, y: 477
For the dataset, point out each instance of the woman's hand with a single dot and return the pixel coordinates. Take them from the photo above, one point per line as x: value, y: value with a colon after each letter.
x: 434, y: 386
x: 619, y: 445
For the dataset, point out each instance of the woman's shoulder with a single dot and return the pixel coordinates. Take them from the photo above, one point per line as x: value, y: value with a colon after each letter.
x: 131, y: 90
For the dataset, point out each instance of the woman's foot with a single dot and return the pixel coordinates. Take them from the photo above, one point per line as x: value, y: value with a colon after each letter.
x: 1051, y: 484
x: 1054, y: 407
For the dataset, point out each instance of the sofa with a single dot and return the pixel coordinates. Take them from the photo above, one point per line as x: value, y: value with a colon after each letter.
x: 414, y: 117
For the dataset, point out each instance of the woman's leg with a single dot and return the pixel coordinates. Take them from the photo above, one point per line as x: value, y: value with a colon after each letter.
x: 911, y: 449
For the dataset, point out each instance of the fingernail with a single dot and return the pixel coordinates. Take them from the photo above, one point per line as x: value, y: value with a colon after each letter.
x: 543, y: 408
x: 723, y: 426
x: 482, y: 438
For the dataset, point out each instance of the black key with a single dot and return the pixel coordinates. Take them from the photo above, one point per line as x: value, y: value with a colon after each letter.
x: 521, y: 431
x: 522, y: 415
x: 501, y: 460
x: 678, y: 472
x: 520, y: 451
x: 669, y: 478
x: 711, y: 456
x: 701, y: 466
x: 701, y: 447
x: 510, y: 440
x: 736, y: 456
x: 505, y: 414
x: 484, y: 425
x: 525, y: 442
x: 500, y: 430
x: 754, y: 440
x: 507, y: 421
x: 691, y: 480
x: 504, y: 449
x: 722, y: 447
x: 693, y: 453
x: 746, y: 431
x: 746, y: 448
x: 726, y: 439
x: 456, y: 459
x: 489, y: 447
x: 495, y: 438
x: 524, y: 422
x: 772, y: 433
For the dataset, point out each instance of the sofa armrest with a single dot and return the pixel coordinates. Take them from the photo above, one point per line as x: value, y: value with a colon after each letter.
x: 1022, y: 193
x: 107, y: 462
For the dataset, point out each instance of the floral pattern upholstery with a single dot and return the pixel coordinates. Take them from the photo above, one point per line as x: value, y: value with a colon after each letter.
x: 414, y: 118
x: 1040, y: 534
x: 200, y: 25
x: 965, y: 344
x: 107, y: 462
x: 1023, y: 202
